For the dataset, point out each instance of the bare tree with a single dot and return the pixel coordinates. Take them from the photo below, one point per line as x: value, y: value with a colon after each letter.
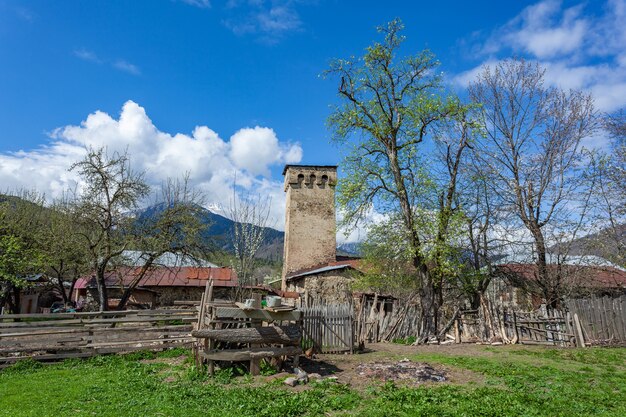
x: 608, y: 175
x: 110, y: 191
x: 532, y: 147
x: 250, y: 215
x: 174, y: 224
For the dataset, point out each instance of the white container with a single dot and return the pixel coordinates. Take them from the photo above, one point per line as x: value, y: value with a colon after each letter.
x: 273, y: 301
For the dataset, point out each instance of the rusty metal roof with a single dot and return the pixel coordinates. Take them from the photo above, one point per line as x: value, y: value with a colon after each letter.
x: 166, y: 277
x: 576, y: 275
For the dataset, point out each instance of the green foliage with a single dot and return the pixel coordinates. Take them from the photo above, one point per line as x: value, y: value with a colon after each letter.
x: 24, y: 366
x: 405, y: 341
x: 387, y: 260
x: 390, y: 105
x: 20, y: 256
x: 17, y: 261
x: 267, y: 369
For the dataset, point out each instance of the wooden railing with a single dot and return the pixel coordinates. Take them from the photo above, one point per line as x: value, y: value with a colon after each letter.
x: 48, y: 337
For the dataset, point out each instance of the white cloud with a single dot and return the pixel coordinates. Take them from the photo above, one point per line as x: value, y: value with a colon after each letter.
x: 202, y: 4
x: 87, y: 55
x: 579, y: 50
x: 358, y: 233
x: 269, y: 21
x: 211, y: 162
x: 254, y: 149
x: 126, y: 66
x: 544, y: 31
x: 119, y: 64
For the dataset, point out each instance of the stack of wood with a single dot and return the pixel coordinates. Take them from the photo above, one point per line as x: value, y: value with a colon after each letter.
x: 383, y: 319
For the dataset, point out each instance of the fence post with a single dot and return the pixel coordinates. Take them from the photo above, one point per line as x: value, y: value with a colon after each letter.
x: 580, y: 339
x: 515, y: 329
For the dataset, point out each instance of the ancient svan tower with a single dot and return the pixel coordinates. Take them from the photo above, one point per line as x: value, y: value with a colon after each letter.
x: 310, y: 264
x: 310, y: 225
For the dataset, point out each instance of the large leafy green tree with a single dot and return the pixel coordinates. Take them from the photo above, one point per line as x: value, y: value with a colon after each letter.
x: 20, y: 255
x: 390, y: 108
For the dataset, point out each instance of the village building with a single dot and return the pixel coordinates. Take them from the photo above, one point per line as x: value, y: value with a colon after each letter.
x: 160, y: 286
x: 514, y: 284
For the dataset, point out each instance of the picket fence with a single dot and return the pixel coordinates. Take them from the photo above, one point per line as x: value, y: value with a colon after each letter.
x: 328, y: 328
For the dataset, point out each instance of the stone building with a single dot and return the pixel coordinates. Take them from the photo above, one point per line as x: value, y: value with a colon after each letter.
x: 310, y: 264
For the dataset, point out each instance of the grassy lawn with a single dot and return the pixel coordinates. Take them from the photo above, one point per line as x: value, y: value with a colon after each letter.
x: 518, y: 381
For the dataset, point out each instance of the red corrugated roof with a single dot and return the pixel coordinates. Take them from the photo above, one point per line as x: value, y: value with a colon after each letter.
x: 583, y: 276
x: 167, y: 277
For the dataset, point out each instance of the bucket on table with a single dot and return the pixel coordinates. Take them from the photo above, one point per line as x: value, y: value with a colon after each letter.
x: 273, y: 301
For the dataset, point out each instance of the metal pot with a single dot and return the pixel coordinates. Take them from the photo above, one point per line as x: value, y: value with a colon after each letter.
x: 273, y: 301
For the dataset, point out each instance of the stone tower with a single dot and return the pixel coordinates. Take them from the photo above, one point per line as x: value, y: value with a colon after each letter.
x: 310, y: 225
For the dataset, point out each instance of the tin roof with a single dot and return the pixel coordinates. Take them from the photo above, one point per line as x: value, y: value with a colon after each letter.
x: 332, y: 266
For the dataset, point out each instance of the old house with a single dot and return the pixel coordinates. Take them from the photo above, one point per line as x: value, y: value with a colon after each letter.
x: 515, y: 285
x: 160, y: 286
x: 311, y: 266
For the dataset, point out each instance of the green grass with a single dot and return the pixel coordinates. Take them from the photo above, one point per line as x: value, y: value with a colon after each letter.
x: 520, y: 382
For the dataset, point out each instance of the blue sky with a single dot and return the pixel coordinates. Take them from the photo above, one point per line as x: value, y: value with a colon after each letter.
x: 222, y: 87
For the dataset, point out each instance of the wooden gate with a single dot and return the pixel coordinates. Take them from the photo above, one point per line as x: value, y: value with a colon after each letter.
x: 328, y: 328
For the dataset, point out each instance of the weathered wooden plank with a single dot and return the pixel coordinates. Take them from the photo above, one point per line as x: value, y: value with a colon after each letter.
x: 252, y: 353
x: 24, y: 333
x: 47, y: 357
x: 271, y: 334
x: 232, y: 313
x: 85, y: 314
x: 72, y: 322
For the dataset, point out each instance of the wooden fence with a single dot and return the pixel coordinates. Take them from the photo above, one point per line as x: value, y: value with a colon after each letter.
x: 586, y: 322
x: 328, y: 328
x: 48, y: 337
x: 603, y: 319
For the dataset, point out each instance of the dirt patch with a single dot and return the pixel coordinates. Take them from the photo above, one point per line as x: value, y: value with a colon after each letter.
x: 348, y: 368
x: 404, y: 370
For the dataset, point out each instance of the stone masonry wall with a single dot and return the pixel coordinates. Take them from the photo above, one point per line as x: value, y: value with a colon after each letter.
x: 310, y: 225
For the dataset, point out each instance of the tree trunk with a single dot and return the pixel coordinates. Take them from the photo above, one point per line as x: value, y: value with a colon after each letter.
x: 128, y: 291
x: 427, y: 309
x: 549, y: 284
x: 14, y: 304
x: 103, y: 296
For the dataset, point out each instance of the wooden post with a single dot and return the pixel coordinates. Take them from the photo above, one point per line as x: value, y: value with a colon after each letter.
x: 255, y: 366
x: 208, y: 345
x: 516, y: 331
x: 580, y: 338
x: 457, y: 330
